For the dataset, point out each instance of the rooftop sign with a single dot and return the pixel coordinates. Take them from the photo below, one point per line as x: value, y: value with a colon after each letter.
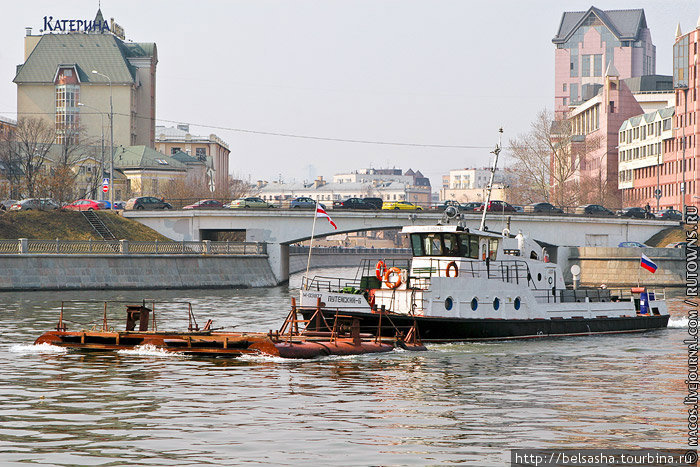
x: 73, y: 25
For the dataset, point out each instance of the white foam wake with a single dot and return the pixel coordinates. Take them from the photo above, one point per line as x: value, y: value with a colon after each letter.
x: 37, y: 349
x: 147, y: 350
x: 678, y: 322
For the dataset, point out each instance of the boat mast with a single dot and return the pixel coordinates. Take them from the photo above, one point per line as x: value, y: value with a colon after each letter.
x: 496, y: 151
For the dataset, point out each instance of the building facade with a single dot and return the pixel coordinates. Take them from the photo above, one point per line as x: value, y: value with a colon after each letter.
x: 587, y: 42
x: 644, y: 142
x: 147, y: 171
x: 471, y: 184
x: 595, y: 125
x: 90, y: 68
x: 211, y: 150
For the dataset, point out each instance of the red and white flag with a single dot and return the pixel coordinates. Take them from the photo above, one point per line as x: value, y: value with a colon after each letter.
x: 320, y: 212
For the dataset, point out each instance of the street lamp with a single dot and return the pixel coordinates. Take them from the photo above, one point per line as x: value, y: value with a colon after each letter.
x: 102, y: 129
x: 111, y: 141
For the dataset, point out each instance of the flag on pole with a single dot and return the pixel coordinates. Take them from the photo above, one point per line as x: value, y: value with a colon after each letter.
x: 648, y: 264
x: 320, y: 212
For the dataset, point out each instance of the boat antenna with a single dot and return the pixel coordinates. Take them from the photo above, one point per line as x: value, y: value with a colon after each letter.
x: 496, y: 151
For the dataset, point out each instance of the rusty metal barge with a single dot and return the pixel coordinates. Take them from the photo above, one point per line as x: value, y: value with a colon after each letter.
x: 343, y: 336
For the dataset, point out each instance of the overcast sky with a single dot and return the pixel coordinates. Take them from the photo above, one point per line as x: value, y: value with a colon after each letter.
x: 424, y: 72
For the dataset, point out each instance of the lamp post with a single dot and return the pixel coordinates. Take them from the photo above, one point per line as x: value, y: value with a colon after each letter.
x: 102, y: 141
x: 111, y: 142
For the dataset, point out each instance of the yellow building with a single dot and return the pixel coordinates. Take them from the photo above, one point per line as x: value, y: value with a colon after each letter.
x: 148, y: 171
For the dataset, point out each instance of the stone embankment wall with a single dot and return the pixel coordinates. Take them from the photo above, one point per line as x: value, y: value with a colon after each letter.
x: 66, y: 272
x: 620, y: 266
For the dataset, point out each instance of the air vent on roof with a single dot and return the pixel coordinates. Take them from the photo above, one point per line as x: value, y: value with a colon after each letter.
x: 162, y: 161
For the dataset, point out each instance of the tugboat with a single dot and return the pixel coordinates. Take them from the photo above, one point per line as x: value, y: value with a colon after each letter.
x: 464, y: 285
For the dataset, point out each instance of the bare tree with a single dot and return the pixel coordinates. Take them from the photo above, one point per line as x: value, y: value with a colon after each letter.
x: 238, y: 188
x: 29, y: 145
x: 549, y: 157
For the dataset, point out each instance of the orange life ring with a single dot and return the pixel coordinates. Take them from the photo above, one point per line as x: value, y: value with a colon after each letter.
x: 449, y: 266
x: 388, y: 273
x: 381, y: 268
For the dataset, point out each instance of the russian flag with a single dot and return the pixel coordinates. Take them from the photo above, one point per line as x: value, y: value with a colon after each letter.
x: 648, y: 264
x: 320, y: 212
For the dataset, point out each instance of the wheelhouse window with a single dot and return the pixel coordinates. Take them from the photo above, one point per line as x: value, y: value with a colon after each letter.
x: 449, y: 244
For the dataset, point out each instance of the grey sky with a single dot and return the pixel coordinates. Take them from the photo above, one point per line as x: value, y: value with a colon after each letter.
x: 425, y: 72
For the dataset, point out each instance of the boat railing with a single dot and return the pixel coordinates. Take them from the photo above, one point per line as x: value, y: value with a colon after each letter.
x: 331, y: 284
x: 124, y: 315
x: 510, y: 271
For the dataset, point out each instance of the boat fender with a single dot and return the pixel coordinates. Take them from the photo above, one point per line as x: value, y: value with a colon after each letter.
x: 451, y: 265
x: 545, y: 256
x: 381, y: 269
x: 396, y: 272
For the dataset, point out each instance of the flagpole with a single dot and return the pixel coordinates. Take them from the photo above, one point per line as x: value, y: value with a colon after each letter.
x: 311, y: 244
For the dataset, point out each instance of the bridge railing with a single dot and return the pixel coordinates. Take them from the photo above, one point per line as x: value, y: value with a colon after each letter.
x: 125, y: 247
x: 350, y: 250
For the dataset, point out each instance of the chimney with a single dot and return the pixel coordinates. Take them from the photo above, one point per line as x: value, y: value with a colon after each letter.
x: 319, y: 182
x: 29, y: 42
x: 28, y: 31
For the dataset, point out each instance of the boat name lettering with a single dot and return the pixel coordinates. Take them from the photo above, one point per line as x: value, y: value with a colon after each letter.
x: 341, y: 299
x: 312, y: 295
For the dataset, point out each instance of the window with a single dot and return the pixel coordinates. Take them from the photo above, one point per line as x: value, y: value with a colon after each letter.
x: 67, y: 114
x: 573, y: 63
x: 573, y: 92
x: 174, y: 150
x: 564, y: 87
x: 585, y: 65
x: 598, y: 65
x: 201, y: 154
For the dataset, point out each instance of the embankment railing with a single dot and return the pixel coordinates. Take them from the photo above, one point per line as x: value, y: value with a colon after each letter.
x: 125, y: 247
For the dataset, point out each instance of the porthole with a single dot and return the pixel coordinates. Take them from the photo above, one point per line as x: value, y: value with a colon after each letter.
x: 539, y: 277
x: 448, y: 303
x: 516, y: 303
x: 496, y: 303
x: 475, y: 303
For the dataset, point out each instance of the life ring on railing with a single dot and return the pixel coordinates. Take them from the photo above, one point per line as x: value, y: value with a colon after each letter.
x: 387, y: 275
x: 381, y: 269
x: 451, y: 265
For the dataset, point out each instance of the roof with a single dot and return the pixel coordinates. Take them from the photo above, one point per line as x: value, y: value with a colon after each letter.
x: 185, y: 158
x: 105, y: 53
x: 332, y: 187
x: 632, y: 122
x: 143, y: 157
x: 624, y: 24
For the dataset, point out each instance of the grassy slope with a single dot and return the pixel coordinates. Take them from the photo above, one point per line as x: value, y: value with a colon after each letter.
x: 69, y: 225
x: 666, y: 236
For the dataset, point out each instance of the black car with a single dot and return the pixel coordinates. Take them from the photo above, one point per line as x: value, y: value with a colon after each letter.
x: 446, y: 204
x: 594, y: 210
x: 376, y: 202
x: 147, y: 202
x: 354, y: 203
x: 471, y: 206
x: 637, y: 213
x: 545, y: 208
x: 670, y: 214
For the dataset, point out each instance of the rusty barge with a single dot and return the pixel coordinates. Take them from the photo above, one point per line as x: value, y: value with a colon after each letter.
x: 295, y: 338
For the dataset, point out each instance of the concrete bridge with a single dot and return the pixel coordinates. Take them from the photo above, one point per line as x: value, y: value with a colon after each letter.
x: 279, y: 228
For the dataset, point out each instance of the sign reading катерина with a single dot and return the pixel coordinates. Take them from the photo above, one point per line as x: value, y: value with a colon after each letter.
x: 52, y: 24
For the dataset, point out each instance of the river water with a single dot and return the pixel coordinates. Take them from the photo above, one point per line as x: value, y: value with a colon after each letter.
x: 457, y: 403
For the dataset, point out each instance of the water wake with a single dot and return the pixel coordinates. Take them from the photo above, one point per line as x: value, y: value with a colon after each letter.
x: 37, y: 349
x: 148, y: 350
x: 678, y: 322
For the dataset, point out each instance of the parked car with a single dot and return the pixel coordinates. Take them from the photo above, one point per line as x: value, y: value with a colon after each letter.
x: 637, y: 213
x: 445, y: 204
x: 147, y: 202
x: 35, y: 204
x: 497, y: 206
x: 594, y: 210
x: 677, y: 245
x: 632, y: 245
x: 7, y: 204
x: 205, y: 204
x: 249, y: 202
x: 119, y: 205
x: 304, y: 202
x: 544, y: 208
x: 376, y: 202
x: 470, y: 206
x: 401, y: 205
x: 354, y: 203
x: 84, y: 205
x: 670, y: 214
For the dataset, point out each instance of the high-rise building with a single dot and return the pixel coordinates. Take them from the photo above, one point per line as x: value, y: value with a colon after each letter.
x: 63, y: 69
x: 587, y: 42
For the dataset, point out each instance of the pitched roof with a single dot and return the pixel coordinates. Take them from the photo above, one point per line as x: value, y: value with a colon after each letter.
x: 105, y: 53
x: 143, y: 157
x: 624, y: 24
x: 185, y: 158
